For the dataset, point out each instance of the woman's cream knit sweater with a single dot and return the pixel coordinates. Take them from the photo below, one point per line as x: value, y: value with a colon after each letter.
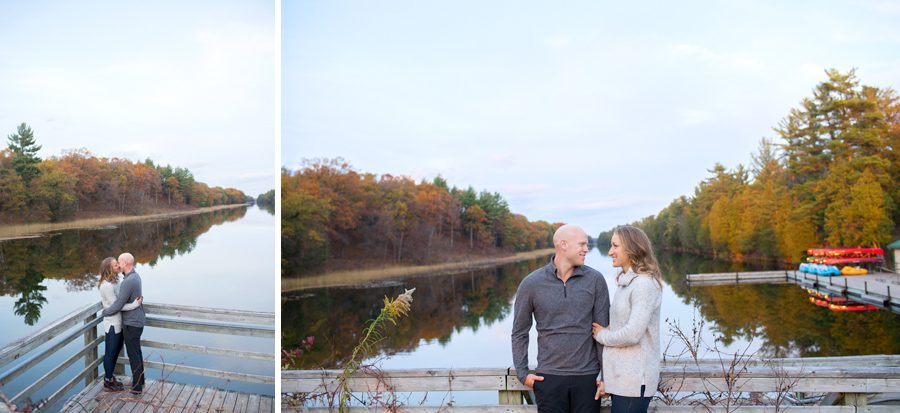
x: 631, y: 343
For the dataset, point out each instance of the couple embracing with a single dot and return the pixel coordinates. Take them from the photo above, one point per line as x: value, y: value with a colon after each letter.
x: 123, y: 320
x: 586, y: 348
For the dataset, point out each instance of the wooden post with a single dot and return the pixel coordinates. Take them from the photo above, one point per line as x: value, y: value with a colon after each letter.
x: 510, y: 397
x: 855, y: 399
x: 89, y: 336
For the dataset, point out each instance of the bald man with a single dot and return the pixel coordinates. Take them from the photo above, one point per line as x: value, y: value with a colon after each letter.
x: 132, y: 321
x: 564, y: 297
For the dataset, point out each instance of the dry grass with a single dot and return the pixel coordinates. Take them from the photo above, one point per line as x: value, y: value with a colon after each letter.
x: 344, y: 278
x: 17, y: 231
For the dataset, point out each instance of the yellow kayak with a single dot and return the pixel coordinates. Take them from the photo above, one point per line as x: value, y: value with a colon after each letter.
x: 848, y: 270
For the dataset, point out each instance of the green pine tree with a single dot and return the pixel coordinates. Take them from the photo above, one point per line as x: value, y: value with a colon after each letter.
x: 23, y: 146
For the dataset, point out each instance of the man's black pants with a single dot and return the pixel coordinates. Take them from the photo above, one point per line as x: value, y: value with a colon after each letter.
x: 566, y: 394
x: 135, y: 357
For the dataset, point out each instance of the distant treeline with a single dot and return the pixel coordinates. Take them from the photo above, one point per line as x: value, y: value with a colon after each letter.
x: 830, y: 180
x: 331, y: 212
x: 267, y: 198
x: 60, y: 188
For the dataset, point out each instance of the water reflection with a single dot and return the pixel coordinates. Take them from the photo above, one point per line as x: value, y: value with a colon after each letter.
x: 270, y: 208
x: 779, y: 315
x: 779, y: 318
x: 74, y: 256
x: 837, y: 303
x: 31, y: 298
x: 442, y: 305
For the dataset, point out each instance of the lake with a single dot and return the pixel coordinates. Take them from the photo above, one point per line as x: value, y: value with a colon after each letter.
x: 465, y: 320
x: 223, y: 259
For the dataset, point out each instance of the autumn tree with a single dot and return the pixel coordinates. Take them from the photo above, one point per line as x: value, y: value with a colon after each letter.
x: 13, y: 199
x: 859, y: 218
x: 304, y: 217
x: 79, y: 182
x: 343, y: 217
x: 54, y: 191
x: 831, y: 181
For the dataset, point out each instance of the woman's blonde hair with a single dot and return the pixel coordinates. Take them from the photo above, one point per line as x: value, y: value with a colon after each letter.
x: 640, y: 252
x: 107, y: 273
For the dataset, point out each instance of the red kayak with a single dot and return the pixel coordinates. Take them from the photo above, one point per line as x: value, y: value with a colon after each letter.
x: 844, y: 260
x: 837, y: 252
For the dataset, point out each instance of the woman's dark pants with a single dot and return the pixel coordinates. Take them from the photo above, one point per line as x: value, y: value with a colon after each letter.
x: 113, y: 348
x: 622, y: 404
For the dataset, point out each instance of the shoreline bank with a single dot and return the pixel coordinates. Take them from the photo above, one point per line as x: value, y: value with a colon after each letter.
x: 345, y: 278
x: 32, y: 230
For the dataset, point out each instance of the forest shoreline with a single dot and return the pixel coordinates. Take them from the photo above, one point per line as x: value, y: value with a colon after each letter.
x: 345, y: 278
x: 32, y: 230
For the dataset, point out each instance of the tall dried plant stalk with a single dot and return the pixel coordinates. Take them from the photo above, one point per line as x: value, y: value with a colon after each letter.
x: 392, y: 311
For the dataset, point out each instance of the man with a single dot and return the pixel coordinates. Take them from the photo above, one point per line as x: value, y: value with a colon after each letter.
x: 132, y: 321
x: 564, y: 297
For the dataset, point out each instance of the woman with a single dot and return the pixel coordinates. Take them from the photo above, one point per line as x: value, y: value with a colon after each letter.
x: 112, y: 325
x: 631, y: 342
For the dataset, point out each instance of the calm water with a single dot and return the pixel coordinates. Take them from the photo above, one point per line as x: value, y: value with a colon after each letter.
x: 223, y: 259
x: 465, y: 320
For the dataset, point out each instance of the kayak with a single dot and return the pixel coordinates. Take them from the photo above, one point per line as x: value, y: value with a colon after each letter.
x: 837, y: 252
x: 828, y: 270
x: 848, y: 270
x: 846, y: 260
x: 837, y: 303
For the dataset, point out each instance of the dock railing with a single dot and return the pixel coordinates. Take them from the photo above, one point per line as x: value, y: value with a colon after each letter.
x: 29, y: 351
x: 852, y: 381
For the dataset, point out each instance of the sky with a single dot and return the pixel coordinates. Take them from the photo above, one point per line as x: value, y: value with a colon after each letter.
x: 189, y: 84
x: 586, y: 112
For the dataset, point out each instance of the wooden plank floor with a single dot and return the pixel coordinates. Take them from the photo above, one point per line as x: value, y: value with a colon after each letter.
x: 168, y: 397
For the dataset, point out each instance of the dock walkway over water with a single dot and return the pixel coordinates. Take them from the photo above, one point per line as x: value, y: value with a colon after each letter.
x: 168, y: 397
x: 216, y: 394
x: 880, y: 289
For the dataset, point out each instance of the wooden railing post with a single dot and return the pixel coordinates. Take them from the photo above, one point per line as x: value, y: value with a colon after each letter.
x: 856, y: 399
x: 510, y: 397
x: 89, y: 336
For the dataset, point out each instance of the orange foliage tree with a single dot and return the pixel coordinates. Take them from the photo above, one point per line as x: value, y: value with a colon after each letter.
x: 832, y: 181
x: 61, y: 188
x: 334, y: 214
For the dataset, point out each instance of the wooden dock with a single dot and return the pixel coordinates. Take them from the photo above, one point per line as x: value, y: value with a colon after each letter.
x: 878, y: 289
x: 725, y: 278
x: 27, y: 352
x: 168, y: 397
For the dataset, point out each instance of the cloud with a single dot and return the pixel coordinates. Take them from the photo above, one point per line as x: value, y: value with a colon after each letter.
x: 889, y: 7
x: 558, y: 42
x: 503, y: 157
x: 695, y: 117
x: 611, y: 203
x: 735, y: 61
x: 523, y: 191
x: 690, y: 50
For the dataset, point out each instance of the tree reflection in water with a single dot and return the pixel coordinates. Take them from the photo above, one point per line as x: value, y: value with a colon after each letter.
x: 444, y: 304
x: 32, y: 298
x: 779, y: 316
x: 75, y: 255
x: 270, y: 208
